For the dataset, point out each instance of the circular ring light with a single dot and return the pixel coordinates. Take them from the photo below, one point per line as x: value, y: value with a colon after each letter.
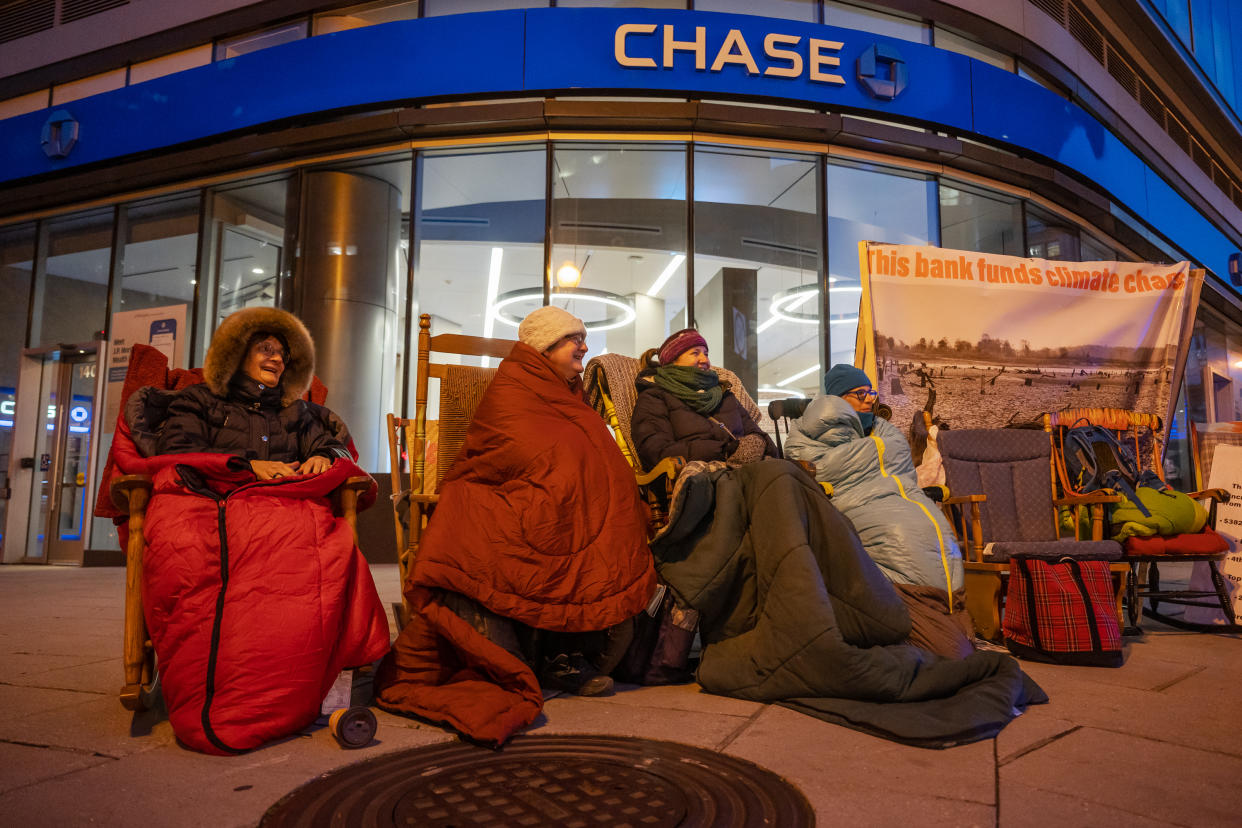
x: 787, y: 299
x: 784, y: 304
x: 625, y: 315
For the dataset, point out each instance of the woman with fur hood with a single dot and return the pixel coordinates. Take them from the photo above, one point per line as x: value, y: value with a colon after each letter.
x: 258, y: 367
x: 254, y: 592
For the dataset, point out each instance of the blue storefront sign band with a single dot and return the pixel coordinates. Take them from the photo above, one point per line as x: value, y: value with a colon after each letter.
x: 555, y: 51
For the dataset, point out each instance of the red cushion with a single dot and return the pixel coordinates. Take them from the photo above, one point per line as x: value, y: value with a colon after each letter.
x: 1206, y: 542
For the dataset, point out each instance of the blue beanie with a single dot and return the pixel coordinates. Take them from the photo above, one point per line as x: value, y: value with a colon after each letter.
x: 841, y: 378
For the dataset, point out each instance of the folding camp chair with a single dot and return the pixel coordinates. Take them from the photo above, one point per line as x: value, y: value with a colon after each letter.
x: 414, y: 481
x: 1144, y: 554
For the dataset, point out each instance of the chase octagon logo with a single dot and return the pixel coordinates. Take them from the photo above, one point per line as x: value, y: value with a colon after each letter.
x: 882, y: 71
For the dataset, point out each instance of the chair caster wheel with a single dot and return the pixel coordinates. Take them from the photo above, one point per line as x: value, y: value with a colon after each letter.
x: 353, y: 727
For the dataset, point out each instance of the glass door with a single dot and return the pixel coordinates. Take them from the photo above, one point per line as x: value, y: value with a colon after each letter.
x: 62, y: 453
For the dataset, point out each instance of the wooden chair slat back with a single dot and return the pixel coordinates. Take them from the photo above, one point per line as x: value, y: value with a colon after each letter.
x: 461, y: 389
x: 1204, y: 438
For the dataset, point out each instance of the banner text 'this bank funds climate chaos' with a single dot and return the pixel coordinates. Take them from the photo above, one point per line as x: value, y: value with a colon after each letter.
x: 933, y: 263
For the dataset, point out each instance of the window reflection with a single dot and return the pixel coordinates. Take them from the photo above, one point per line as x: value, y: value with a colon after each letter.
x: 71, y: 292
x: 619, y: 241
x: 434, y: 8
x: 1048, y: 237
x: 262, y: 39
x: 244, y: 253
x: 17, y: 251
x: 757, y: 264
x: 971, y: 220
x: 479, y: 229
x: 365, y: 14
x: 807, y: 10
x: 868, y: 203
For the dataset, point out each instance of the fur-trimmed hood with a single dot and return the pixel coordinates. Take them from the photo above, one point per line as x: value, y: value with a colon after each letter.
x: 228, y: 350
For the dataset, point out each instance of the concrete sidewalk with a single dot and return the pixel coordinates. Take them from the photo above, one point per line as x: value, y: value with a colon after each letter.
x: 1155, y: 742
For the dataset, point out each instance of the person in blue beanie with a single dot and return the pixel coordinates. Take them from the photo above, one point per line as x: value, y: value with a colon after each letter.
x: 870, y: 466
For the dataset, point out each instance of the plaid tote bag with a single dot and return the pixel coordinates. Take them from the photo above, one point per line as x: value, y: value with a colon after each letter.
x: 1062, y: 612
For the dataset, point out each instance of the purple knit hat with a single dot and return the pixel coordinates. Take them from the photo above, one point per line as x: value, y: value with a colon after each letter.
x: 679, y: 343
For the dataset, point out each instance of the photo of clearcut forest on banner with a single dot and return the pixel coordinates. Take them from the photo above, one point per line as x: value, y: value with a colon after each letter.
x: 994, y: 341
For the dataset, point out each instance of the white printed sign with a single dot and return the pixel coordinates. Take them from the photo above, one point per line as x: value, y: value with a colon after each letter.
x: 1227, y: 475
x: 163, y: 328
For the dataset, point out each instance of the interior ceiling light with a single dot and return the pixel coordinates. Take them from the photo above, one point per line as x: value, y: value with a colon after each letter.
x: 667, y: 274
x: 569, y: 276
x: 625, y: 315
x: 493, y: 288
x: 798, y: 376
x: 785, y: 304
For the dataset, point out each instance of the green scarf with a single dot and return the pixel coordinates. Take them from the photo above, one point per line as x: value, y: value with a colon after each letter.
x: 698, y: 389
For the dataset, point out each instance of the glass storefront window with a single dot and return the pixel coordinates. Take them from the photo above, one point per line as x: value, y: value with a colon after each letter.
x: 350, y: 262
x: 159, y: 245
x: 953, y: 42
x: 852, y: 16
x: 71, y: 288
x: 17, y: 252
x: 1048, y: 237
x: 757, y: 266
x: 478, y: 227
x: 365, y: 14
x: 867, y: 203
x: 641, y: 4
x: 619, y: 242
x: 1093, y: 250
x: 973, y: 220
x: 807, y: 10
x: 262, y: 39
x: 435, y: 8
x: 244, y: 255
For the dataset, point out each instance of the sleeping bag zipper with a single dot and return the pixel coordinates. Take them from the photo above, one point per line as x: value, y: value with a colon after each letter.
x: 901, y: 490
x: 194, y: 481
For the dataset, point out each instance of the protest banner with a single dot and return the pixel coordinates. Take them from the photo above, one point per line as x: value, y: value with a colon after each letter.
x: 985, y: 341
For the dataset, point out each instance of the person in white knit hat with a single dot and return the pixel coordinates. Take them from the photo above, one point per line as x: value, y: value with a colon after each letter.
x: 559, y: 336
x: 536, y: 560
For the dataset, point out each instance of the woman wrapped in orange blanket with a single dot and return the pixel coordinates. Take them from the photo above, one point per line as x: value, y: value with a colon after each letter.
x: 539, y: 537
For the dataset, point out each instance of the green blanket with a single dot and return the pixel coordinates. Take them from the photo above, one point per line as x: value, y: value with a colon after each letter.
x: 794, y: 611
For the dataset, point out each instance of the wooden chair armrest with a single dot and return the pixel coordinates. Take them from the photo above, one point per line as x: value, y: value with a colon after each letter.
x: 668, y: 467
x: 431, y: 499
x: 1087, y: 499
x: 130, y: 492
x: 960, y: 499
x: 1217, y: 495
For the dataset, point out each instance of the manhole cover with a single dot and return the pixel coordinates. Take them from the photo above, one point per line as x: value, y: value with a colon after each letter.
x: 547, y: 781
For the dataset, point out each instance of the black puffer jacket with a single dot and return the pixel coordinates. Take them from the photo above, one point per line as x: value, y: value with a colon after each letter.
x: 664, y: 426
x: 249, y: 423
x: 231, y: 413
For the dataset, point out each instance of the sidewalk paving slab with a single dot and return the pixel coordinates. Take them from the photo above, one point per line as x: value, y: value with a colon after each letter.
x: 1151, y: 743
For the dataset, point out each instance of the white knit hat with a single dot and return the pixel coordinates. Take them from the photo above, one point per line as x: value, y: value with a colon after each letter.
x: 543, y: 328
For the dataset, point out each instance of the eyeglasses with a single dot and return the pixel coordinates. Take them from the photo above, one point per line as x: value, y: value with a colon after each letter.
x: 269, y: 350
x: 577, y: 339
x: 862, y: 393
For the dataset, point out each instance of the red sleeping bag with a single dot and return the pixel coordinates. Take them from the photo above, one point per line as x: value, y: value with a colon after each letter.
x: 254, y: 594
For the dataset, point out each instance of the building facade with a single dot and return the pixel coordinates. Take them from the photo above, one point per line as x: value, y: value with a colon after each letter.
x: 644, y: 164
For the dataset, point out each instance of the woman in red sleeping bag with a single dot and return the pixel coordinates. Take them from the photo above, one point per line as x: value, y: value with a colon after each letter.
x: 254, y: 593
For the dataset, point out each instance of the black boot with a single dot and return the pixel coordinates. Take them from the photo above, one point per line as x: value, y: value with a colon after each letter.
x: 572, y: 673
